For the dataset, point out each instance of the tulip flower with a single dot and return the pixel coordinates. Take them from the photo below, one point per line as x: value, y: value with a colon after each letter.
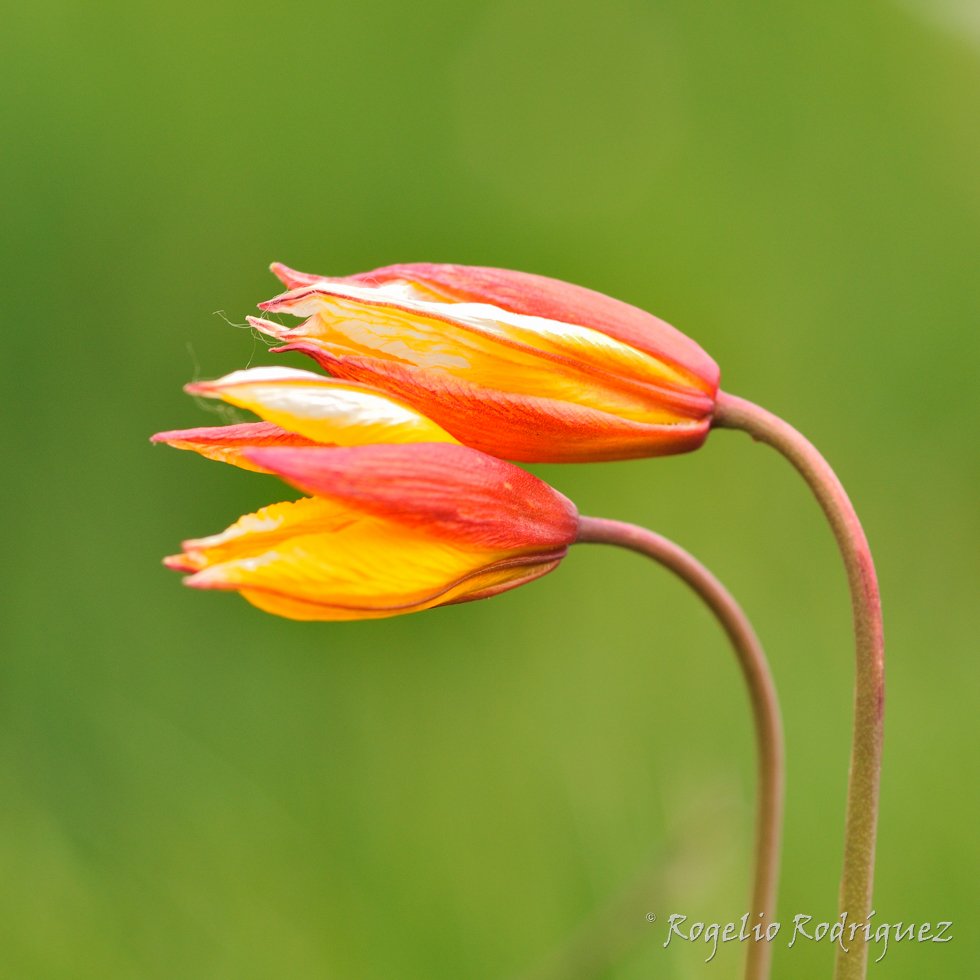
x: 518, y: 366
x: 392, y: 529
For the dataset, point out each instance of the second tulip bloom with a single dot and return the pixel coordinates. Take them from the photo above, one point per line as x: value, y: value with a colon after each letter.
x: 516, y: 365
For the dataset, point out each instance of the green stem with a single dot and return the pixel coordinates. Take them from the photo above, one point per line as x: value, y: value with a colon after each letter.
x: 857, y: 878
x: 765, y: 711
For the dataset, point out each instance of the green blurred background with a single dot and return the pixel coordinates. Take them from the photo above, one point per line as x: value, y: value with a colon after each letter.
x: 190, y: 788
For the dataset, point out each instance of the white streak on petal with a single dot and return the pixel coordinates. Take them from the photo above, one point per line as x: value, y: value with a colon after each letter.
x: 579, y: 343
x: 329, y: 402
x: 271, y: 372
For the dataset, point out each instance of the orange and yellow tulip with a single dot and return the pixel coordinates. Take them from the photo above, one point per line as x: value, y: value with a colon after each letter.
x: 392, y: 529
x: 516, y: 365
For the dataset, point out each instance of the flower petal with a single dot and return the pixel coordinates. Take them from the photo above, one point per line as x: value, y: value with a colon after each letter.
x: 293, y: 279
x: 406, y: 288
x: 524, y: 292
x: 494, y: 348
x: 481, y: 585
x: 452, y: 491
x: 226, y: 442
x: 325, y: 410
x: 525, y: 428
x: 254, y: 534
x: 540, y: 296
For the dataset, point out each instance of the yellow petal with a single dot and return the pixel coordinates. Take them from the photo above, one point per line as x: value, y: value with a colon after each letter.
x: 488, y: 346
x: 323, y: 409
x: 254, y: 534
x: 368, y: 563
x: 292, y: 608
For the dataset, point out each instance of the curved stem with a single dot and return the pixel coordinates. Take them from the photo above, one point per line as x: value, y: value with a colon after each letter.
x: 765, y: 710
x: 857, y: 878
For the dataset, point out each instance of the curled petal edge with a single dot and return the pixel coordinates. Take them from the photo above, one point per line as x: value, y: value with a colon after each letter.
x: 500, y: 576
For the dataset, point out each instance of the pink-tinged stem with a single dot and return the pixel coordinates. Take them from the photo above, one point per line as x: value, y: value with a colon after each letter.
x: 765, y: 710
x: 857, y: 878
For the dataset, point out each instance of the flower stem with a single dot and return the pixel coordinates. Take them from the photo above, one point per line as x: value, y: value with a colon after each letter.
x: 765, y: 710
x: 857, y: 878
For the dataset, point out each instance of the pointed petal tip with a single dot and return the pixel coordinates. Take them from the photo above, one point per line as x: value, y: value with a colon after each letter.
x: 205, y: 578
x: 296, y: 301
x: 179, y: 563
x: 282, y: 272
x: 291, y: 279
x: 204, y: 389
x: 267, y: 326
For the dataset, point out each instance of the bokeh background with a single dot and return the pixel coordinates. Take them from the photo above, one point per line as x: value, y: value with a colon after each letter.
x: 193, y: 790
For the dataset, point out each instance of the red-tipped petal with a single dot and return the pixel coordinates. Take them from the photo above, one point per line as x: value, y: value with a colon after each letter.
x: 241, y: 434
x: 293, y: 279
x: 451, y: 490
x: 226, y: 442
x: 180, y: 563
x: 534, y: 295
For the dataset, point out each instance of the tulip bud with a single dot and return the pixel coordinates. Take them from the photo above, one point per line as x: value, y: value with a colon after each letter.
x: 518, y: 366
x: 392, y: 529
